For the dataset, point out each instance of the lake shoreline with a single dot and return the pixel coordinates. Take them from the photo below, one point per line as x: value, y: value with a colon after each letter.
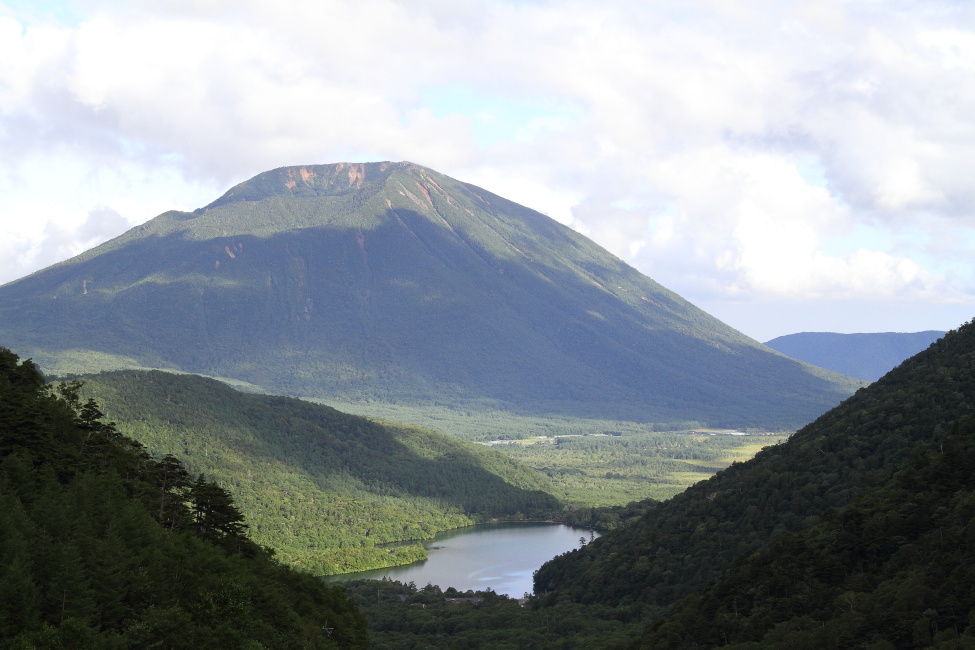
x: 420, y: 540
x: 502, y: 556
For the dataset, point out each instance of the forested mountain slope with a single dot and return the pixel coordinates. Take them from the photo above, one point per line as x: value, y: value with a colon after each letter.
x: 321, y: 487
x: 102, y: 546
x: 894, y: 569
x: 683, y: 544
x: 391, y: 283
x: 864, y: 356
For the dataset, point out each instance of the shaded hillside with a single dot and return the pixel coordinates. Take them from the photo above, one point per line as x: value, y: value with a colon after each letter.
x: 864, y: 356
x: 101, y: 546
x: 321, y: 487
x: 391, y: 283
x: 683, y: 544
x: 894, y: 569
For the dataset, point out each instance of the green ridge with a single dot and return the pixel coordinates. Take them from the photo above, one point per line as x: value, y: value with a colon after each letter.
x: 324, y: 489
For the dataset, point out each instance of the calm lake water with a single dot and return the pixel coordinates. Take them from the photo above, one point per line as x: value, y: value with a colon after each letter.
x: 500, y: 556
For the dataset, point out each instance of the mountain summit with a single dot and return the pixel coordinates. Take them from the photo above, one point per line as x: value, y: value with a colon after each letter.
x: 389, y: 282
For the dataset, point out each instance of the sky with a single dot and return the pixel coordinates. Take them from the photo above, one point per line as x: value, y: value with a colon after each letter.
x: 787, y: 166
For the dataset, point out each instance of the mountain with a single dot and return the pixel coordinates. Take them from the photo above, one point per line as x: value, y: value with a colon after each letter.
x: 864, y: 356
x: 102, y: 546
x: 328, y: 491
x: 827, y: 484
x: 391, y: 283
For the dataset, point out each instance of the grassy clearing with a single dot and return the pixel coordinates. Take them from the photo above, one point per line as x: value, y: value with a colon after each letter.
x: 592, y: 471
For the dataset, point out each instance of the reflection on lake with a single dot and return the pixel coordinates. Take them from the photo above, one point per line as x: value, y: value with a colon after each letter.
x: 501, y: 557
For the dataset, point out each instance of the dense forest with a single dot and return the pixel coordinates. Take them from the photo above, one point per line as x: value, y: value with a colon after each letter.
x: 104, y: 546
x: 894, y: 569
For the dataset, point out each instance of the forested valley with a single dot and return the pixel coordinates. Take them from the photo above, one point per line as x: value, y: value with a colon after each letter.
x: 329, y: 491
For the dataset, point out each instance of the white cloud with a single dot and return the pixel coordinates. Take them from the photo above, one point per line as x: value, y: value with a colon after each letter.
x: 44, y: 233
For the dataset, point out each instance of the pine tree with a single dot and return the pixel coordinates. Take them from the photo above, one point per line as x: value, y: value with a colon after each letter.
x: 215, y: 517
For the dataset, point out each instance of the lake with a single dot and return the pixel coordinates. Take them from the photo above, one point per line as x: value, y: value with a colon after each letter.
x: 502, y: 557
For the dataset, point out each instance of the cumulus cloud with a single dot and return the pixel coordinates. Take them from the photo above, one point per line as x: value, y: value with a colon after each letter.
x: 734, y: 151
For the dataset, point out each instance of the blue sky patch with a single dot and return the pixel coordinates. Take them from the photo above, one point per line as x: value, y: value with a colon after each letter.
x: 494, y: 117
x: 51, y: 11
